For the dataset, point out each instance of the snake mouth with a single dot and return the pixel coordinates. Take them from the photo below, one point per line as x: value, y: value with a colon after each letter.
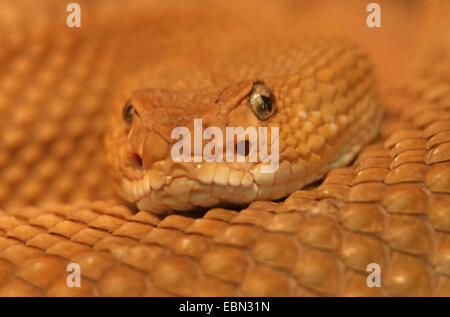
x: 186, y: 186
x: 183, y: 178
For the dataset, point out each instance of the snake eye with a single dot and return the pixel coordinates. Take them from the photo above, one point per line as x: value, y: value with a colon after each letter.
x: 128, y: 113
x: 262, y: 101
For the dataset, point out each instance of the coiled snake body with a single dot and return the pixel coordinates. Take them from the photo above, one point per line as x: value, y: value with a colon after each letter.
x: 130, y: 82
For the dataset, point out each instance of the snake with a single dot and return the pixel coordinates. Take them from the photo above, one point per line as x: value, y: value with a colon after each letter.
x: 324, y: 99
x: 88, y: 173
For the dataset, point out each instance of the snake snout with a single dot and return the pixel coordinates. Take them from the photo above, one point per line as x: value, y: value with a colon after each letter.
x: 154, y: 148
x: 145, y: 147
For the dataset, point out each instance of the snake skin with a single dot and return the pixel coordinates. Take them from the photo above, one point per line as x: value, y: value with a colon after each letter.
x: 391, y: 206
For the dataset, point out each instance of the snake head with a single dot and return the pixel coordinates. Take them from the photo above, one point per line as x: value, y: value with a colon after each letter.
x: 172, y: 149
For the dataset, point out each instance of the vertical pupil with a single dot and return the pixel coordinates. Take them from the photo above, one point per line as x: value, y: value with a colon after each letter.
x: 266, y: 105
x: 128, y: 113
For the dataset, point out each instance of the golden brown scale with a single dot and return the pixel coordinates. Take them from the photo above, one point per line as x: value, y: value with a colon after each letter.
x: 391, y: 206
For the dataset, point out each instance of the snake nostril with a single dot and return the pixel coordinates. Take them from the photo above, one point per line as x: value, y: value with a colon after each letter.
x: 136, y: 160
x: 243, y: 148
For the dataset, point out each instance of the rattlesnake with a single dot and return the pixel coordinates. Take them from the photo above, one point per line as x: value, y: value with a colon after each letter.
x: 64, y: 88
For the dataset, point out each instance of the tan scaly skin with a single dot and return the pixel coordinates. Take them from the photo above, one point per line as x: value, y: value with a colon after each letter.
x: 62, y: 90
